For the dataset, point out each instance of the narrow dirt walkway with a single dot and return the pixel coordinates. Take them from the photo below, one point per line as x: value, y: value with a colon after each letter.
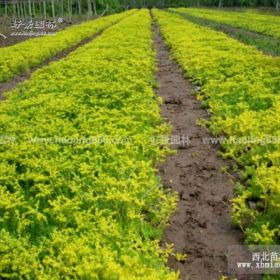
x: 201, y: 226
x: 11, y: 84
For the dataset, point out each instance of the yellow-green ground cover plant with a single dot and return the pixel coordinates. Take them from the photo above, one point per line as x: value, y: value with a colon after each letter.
x: 267, y: 44
x: 264, y: 24
x: 241, y: 88
x: 71, y: 210
x: 19, y: 58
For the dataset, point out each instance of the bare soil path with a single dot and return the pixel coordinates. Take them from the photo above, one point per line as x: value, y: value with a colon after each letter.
x: 201, y: 227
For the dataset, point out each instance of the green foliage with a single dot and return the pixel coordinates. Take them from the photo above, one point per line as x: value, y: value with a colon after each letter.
x: 241, y: 87
x: 265, y: 24
x: 78, y: 211
x: 19, y: 58
x: 265, y: 43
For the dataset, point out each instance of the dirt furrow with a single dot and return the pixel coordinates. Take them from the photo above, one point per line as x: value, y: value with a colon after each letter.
x: 201, y: 226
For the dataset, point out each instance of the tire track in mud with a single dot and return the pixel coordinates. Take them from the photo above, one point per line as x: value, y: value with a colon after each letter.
x: 201, y: 226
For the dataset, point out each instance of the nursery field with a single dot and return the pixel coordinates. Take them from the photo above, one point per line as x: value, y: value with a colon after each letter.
x: 249, y: 27
x: 21, y: 57
x: 143, y: 152
x: 265, y: 24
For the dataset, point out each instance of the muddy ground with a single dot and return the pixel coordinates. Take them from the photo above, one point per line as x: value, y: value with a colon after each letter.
x: 201, y: 226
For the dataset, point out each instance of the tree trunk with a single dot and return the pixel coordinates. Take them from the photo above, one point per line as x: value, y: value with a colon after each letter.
x: 70, y: 10
x: 53, y: 11
x: 79, y: 7
x: 29, y: 9
x: 62, y: 8
x: 18, y: 9
x: 34, y: 10
x: 89, y: 8
x: 40, y: 7
x: 21, y: 10
x: 24, y: 9
x: 94, y: 7
x: 14, y: 9
x: 6, y: 8
x: 44, y: 9
x: 277, y: 5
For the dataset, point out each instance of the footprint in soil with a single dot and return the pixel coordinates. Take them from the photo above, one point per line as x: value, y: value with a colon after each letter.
x: 194, y: 194
x: 219, y: 206
x: 173, y: 101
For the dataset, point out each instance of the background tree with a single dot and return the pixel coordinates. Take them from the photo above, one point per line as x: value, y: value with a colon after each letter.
x: 90, y: 8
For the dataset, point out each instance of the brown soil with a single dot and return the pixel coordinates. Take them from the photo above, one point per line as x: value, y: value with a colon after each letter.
x: 10, y: 40
x: 201, y: 226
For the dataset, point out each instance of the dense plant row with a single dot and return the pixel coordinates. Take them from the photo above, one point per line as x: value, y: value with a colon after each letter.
x: 267, y: 44
x: 241, y: 87
x: 265, y: 24
x: 79, y: 195
x: 19, y: 58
